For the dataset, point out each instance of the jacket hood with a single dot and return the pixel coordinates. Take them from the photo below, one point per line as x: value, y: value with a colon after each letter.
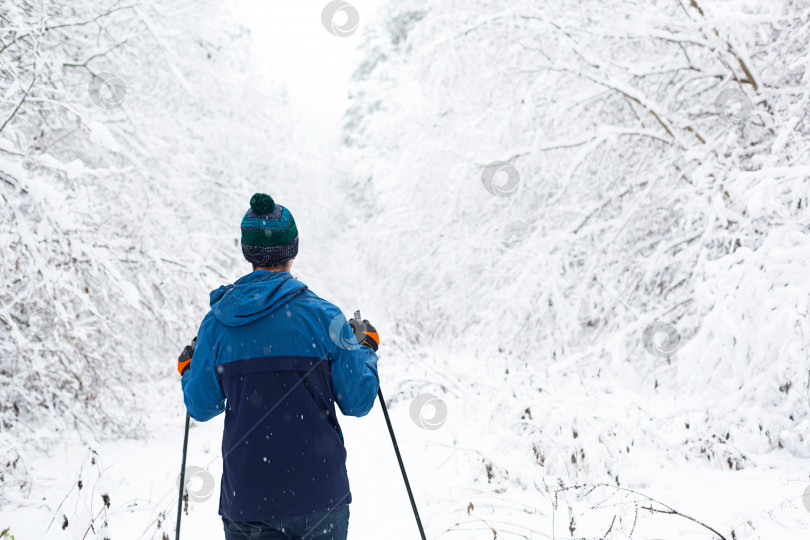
x: 253, y: 296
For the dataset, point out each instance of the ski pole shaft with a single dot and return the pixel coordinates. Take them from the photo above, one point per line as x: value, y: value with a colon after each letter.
x: 401, y: 465
x: 182, y: 480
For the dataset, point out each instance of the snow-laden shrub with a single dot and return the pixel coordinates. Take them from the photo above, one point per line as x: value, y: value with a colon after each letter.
x: 659, y: 151
x: 131, y: 137
x: 13, y: 470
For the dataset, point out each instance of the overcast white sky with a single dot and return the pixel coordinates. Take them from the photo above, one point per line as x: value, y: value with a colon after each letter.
x: 297, y: 50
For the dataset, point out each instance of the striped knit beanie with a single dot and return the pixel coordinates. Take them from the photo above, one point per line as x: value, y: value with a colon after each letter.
x: 269, y: 234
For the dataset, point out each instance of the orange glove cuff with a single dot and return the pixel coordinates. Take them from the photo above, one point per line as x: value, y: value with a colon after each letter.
x: 183, y: 366
x: 375, y: 336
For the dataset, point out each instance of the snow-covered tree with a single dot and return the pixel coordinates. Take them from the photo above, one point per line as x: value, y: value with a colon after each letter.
x: 559, y: 187
x: 130, y: 134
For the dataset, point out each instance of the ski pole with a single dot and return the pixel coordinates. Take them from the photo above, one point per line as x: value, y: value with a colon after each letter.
x: 182, y: 481
x: 396, y: 450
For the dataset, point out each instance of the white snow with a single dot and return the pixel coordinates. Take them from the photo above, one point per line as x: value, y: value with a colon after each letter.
x: 638, y: 203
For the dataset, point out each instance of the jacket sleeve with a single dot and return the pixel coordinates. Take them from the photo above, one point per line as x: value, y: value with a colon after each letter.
x: 202, y: 392
x: 354, y: 375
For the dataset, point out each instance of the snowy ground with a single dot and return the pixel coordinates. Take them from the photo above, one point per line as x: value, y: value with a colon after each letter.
x: 455, y: 497
x: 140, y: 479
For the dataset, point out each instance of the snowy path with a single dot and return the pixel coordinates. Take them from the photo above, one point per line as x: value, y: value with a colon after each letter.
x: 139, y: 478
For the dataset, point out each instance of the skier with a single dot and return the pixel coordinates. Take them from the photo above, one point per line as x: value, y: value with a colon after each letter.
x: 276, y: 358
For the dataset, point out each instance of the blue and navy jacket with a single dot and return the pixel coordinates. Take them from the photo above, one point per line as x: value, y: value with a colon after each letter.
x: 276, y: 358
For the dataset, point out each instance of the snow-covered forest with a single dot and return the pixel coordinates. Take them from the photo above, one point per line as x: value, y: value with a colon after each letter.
x: 580, y: 227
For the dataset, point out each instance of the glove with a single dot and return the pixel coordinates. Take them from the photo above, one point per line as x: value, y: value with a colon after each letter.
x: 365, y: 334
x: 184, y: 360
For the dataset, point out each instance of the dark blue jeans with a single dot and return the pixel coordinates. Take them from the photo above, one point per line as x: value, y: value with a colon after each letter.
x: 330, y: 525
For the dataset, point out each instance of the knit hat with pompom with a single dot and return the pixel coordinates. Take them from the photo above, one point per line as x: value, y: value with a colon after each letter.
x: 269, y: 234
